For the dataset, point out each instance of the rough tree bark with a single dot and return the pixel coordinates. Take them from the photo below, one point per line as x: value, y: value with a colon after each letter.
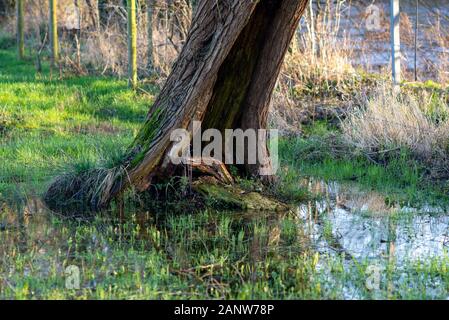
x: 224, y: 77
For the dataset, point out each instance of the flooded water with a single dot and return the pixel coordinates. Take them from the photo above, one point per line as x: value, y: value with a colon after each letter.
x: 361, y: 225
x: 360, y: 228
x: 345, y: 219
x: 351, y: 230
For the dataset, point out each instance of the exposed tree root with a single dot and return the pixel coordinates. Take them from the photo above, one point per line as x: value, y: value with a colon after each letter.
x: 231, y: 196
x: 224, y: 77
x: 71, y: 196
x: 211, y: 167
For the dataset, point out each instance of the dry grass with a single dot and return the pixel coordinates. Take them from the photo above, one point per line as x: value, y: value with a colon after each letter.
x: 103, y: 50
x: 439, y: 66
x: 89, y: 191
x: 324, y: 53
x: 334, y: 51
x: 317, y: 65
x: 394, y: 122
x: 318, y: 53
x: 107, y: 49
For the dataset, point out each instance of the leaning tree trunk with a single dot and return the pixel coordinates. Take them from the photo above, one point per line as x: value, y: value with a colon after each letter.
x: 224, y: 77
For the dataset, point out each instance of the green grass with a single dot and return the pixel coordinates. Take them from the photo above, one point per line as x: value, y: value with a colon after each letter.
x: 321, y: 153
x: 206, y: 255
x: 51, y: 126
x: 54, y: 126
x: 215, y: 255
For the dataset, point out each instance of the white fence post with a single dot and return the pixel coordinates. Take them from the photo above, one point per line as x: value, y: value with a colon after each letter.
x: 395, y: 41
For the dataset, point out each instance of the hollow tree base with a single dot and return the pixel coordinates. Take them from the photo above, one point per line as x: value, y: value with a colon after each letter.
x: 224, y: 77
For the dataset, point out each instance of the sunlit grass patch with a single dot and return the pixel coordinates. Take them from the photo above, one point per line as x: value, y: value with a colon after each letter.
x: 58, y: 127
x: 48, y: 126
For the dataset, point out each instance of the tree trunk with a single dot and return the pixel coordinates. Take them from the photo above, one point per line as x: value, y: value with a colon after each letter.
x: 54, y: 32
x: 150, y: 53
x: 132, y: 43
x: 224, y: 77
x: 94, y: 13
x: 20, y: 31
x: 6, y: 9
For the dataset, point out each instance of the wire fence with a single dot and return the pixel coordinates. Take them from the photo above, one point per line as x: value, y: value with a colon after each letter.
x: 337, y: 25
x: 347, y: 26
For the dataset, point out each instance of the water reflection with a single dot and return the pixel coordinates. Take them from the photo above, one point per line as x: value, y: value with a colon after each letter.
x: 361, y: 225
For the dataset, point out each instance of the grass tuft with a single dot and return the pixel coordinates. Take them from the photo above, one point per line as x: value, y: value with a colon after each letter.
x: 61, y: 127
x: 391, y: 123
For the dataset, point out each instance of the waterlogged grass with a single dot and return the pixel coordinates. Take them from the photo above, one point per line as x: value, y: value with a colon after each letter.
x: 321, y: 153
x: 51, y: 126
x: 195, y: 256
x: 206, y: 255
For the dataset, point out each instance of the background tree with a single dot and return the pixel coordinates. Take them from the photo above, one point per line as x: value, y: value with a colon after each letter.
x: 20, y: 30
x: 6, y: 8
x: 132, y: 43
x: 94, y: 13
x: 53, y: 26
x: 150, y: 12
x: 224, y: 77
